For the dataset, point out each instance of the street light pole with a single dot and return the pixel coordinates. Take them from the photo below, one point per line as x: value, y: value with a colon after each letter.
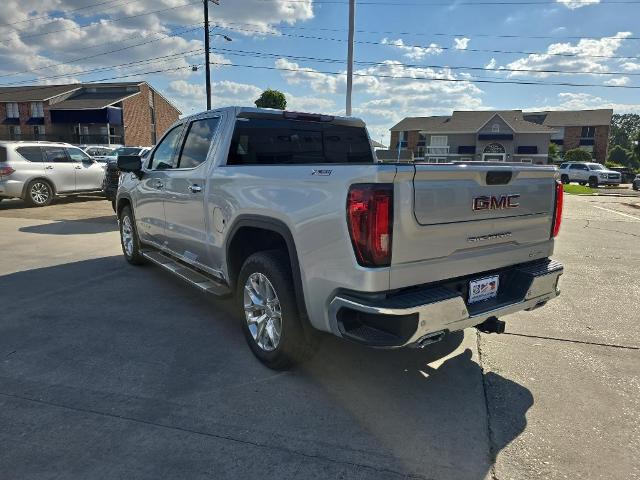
x: 352, y: 13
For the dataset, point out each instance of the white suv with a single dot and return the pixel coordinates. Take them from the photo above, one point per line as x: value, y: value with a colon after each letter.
x: 38, y: 171
x: 593, y: 174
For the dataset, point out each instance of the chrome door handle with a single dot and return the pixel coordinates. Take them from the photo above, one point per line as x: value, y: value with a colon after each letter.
x: 194, y: 188
x: 78, y: 167
x: 159, y: 185
x: 48, y: 167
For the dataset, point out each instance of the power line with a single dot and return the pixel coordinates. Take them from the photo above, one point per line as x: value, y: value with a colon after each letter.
x: 109, y: 20
x: 66, y: 12
x: 369, y: 42
x: 440, y: 34
x: 413, y: 65
x: 99, y: 54
x: 466, y: 4
x: 435, y: 79
x: 110, y: 67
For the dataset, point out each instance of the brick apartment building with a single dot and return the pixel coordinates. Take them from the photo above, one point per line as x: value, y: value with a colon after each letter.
x: 131, y: 113
x: 585, y: 129
x: 510, y: 135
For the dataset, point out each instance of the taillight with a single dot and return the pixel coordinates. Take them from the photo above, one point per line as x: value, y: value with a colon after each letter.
x: 4, y: 171
x: 557, y: 211
x: 370, y: 220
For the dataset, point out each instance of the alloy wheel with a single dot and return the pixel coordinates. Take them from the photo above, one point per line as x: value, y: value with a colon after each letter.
x: 262, y: 311
x: 127, y: 235
x: 40, y: 193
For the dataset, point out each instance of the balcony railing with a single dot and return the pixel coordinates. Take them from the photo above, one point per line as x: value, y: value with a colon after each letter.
x: 438, y: 150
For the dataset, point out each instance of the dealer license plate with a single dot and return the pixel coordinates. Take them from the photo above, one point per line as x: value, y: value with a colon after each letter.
x: 483, y: 288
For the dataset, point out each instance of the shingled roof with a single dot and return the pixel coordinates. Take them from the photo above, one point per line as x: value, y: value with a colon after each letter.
x: 469, y: 122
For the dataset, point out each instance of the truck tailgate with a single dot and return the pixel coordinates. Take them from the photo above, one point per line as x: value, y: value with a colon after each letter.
x: 453, y: 220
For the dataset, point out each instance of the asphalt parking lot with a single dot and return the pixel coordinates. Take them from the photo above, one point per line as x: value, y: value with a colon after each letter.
x: 112, y: 371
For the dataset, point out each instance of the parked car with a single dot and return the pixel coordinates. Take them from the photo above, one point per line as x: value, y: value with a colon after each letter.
x: 98, y: 152
x: 593, y: 174
x: 39, y: 171
x: 113, y: 156
x: 292, y: 213
x: 112, y: 174
x: 636, y: 183
x: 627, y: 174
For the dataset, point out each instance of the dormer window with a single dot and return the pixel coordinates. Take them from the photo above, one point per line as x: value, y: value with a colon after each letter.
x: 495, y: 128
x: 12, y: 110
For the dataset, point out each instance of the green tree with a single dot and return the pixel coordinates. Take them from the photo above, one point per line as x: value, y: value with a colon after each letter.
x: 577, y: 155
x: 272, y: 99
x: 620, y: 156
x: 554, y: 152
x: 624, y: 129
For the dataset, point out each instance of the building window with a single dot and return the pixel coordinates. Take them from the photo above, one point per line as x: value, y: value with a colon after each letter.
x: 14, y: 132
x: 403, y: 139
x: 37, y: 110
x: 12, y: 110
x: 495, y: 128
x: 420, y: 152
x: 588, y: 132
x: 38, y: 132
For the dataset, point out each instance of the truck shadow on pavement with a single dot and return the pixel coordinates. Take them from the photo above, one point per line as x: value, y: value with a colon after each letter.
x: 153, y: 377
x: 103, y: 224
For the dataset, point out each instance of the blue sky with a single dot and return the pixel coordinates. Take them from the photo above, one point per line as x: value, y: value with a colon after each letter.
x: 424, y: 42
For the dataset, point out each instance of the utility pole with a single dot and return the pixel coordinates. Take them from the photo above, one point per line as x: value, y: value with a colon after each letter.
x: 207, y: 67
x: 352, y: 14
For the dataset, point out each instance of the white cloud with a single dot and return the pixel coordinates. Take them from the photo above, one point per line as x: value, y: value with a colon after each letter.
x: 618, y: 81
x: 631, y: 67
x: 492, y: 64
x: 24, y: 47
x: 414, y: 52
x: 586, y: 101
x: 461, y: 43
x: 573, y: 4
x: 587, y: 55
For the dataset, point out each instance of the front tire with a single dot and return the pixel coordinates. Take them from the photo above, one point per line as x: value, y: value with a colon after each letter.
x: 129, y: 237
x: 269, y: 314
x: 39, y: 193
x: 564, y: 179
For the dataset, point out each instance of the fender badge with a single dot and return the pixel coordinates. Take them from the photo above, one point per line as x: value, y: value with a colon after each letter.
x: 321, y: 173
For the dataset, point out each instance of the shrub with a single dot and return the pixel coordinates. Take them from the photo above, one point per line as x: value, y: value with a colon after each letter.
x: 577, y: 155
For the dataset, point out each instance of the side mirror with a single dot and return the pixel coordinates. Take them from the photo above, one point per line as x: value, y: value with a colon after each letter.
x: 130, y: 163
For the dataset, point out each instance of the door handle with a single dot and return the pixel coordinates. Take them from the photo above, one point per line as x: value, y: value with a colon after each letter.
x: 194, y: 188
x: 48, y: 167
x: 159, y: 185
x: 78, y: 167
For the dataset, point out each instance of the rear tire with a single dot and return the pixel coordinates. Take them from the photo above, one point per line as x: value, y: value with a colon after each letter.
x: 270, y: 319
x: 564, y: 179
x: 593, y: 182
x: 39, y: 193
x: 129, y: 237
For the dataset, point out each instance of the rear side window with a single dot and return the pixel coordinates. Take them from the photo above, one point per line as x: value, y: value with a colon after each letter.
x: 197, y: 142
x: 33, y: 154
x: 55, y: 154
x: 564, y: 165
x: 278, y: 142
x: 3, y: 154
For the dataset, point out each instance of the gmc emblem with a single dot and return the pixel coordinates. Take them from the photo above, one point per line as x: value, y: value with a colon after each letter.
x: 492, y: 202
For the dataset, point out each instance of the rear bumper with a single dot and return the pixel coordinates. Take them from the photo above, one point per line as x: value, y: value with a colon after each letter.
x: 11, y: 188
x: 410, y: 316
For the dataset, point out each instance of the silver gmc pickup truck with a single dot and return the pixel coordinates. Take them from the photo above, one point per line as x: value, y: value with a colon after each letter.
x: 292, y: 213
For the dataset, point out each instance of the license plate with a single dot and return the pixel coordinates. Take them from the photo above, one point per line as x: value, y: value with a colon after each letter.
x: 483, y: 288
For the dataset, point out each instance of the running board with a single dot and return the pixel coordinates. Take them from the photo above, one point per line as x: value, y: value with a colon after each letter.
x: 199, y: 280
